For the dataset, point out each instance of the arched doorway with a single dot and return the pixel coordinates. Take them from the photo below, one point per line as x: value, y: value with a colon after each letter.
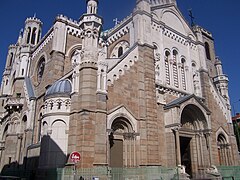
x: 122, y: 143
x: 194, y: 138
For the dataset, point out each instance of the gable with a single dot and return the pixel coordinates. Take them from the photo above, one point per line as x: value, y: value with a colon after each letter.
x: 173, y: 21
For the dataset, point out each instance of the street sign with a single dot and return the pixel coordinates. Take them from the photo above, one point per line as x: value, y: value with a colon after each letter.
x: 75, y: 156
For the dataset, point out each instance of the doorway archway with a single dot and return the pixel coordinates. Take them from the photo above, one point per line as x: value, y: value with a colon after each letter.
x: 122, y: 143
x: 194, y: 137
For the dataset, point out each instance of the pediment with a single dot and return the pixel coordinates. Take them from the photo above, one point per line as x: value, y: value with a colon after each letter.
x: 188, y: 99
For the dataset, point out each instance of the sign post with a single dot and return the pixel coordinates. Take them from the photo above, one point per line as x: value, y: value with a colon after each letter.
x: 75, y: 157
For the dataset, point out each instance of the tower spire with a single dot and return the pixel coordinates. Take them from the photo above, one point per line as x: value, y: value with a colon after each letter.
x: 92, y: 6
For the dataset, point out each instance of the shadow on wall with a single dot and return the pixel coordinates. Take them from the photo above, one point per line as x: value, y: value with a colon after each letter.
x: 42, y: 166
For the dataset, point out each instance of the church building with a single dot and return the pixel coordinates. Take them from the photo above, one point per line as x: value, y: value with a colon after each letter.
x: 150, y: 92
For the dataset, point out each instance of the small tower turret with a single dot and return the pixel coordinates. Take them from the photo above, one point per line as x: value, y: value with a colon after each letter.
x: 32, y: 31
x: 91, y: 25
x: 218, y: 65
x: 221, y: 80
x: 92, y: 6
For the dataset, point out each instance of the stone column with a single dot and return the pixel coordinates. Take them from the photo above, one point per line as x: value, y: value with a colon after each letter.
x: 201, y: 149
x: 177, y: 143
x: 208, y: 140
x: 198, y: 150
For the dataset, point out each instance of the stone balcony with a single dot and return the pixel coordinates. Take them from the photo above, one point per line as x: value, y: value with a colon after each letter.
x: 14, y: 103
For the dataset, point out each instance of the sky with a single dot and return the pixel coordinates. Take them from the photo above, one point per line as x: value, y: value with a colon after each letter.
x: 220, y: 17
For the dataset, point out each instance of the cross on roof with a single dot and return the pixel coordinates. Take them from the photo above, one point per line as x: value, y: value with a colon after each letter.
x: 116, y: 21
x: 192, y: 17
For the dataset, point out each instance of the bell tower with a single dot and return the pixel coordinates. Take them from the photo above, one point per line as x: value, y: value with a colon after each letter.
x: 32, y: 31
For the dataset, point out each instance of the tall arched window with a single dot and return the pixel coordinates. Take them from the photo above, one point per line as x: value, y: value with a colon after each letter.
x: 166, y: 58
x: 175, y: 71
x: 33, y: 36
x: 39, y: 34
x: 120, y: 51
x: 183, y: 77
x: 207, y: 49
x: 29, y: 35
x: 10, y: 59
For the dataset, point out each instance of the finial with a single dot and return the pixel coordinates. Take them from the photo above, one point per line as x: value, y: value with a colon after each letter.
x: 34, y: 16
x: 192, y: 17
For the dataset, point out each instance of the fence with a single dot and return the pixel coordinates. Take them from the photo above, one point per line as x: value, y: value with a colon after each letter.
x: 104, y: 173
x: 141, y: 173
x: 229, y: 172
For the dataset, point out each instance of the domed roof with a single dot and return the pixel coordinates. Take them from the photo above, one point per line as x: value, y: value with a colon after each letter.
x: 62, y: 87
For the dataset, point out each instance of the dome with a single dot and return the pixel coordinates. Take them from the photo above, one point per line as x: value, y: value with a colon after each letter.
x: 60, y: 88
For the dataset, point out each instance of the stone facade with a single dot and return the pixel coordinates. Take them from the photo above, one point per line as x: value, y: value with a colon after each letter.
x: 148, y: 92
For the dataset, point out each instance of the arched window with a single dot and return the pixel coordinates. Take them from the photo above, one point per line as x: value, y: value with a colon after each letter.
x: 167, y: 56
x: 183, y: 77
x: 33, y: 35
x: 120, y: 51
x: 207, y: 49
x: 40, y: 69
x: 29, y: 35
x: 175, y: 69
x: 39, y: 34
x: 10, y: 59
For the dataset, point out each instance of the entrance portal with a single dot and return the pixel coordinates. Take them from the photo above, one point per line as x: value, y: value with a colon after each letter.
x: 186, y: 154
x: 116, y: 153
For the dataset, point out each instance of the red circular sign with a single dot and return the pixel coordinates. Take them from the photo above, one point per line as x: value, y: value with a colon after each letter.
x: 75, y: 157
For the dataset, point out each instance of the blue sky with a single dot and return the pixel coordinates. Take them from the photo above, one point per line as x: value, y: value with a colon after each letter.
x: 221, y: 17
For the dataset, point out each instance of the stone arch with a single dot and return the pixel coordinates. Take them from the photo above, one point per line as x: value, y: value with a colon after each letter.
x: 125, y: 115
x: 193, y: 116
x: 72, y: 49
x: 223, y: 132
